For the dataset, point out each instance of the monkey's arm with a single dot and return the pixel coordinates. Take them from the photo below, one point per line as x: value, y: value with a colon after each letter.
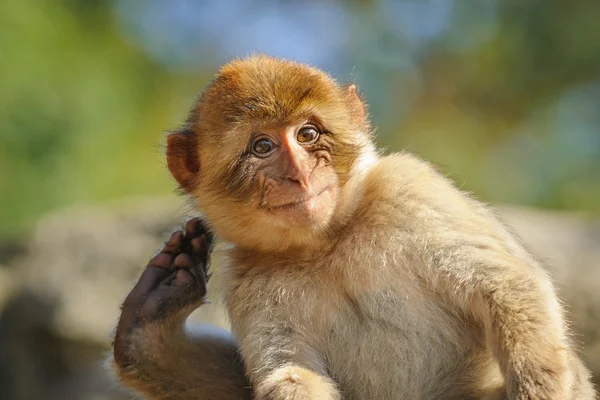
x: 281, y: 364
x: 153, y: 353
x: 478, y: 268
x: 163, y: 361
x: 520, y: 315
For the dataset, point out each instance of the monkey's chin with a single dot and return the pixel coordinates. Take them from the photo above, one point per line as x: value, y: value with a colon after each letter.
x: 315, y: 211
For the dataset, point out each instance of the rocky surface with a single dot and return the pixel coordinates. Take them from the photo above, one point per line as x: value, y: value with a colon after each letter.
x: 60, y: 289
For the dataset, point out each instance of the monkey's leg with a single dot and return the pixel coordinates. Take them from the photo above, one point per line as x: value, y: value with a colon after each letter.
x: 153, y: 353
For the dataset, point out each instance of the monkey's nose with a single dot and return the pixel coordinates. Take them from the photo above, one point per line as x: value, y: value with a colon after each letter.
x: 299, y: 179
x: 297, y: 170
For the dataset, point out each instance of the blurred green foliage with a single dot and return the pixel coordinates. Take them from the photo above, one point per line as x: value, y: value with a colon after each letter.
x: 82, y: 110
x: 503, y: 95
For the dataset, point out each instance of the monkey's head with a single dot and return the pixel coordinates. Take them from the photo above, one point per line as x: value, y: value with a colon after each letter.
x: 270, y: 153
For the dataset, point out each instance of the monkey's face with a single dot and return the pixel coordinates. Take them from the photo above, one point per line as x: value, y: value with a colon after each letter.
x: 267, y: 152
x: 272, y: 183
x: 295, y: 181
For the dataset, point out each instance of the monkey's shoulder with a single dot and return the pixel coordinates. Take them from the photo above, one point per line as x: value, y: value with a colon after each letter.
x: 403, y: 183
x: 406, y: 193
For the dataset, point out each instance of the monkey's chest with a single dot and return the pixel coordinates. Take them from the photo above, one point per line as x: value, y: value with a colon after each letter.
x: 387, y: 347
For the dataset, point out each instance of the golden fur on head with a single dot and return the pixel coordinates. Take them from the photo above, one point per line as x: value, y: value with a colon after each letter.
x: 263, y: 89
x: 264, y: 92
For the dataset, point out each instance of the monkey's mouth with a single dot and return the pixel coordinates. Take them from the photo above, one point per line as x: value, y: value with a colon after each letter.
x: 299, y: 204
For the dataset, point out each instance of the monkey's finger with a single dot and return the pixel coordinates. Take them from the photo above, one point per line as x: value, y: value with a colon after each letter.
x: 192, y: 228
x: 195, y: 228
x: 183, y: 277
x: 174, y: 244
x: 149, y: 280
x: 162, y: 260
x: 199, y: 272
x: 199, y: 249
x: 183, y: 261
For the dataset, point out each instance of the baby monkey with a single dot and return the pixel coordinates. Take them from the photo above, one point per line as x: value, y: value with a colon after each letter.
x: 350, y: 275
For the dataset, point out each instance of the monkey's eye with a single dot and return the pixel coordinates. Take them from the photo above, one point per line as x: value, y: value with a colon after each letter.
x: 262, y: 147
x: 307, y: 135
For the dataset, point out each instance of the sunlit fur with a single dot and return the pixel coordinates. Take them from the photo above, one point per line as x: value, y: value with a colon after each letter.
x: 420, y: 295
x: 412, y: 290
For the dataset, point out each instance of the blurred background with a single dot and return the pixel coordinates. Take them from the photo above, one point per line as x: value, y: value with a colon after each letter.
x: 503, y: 95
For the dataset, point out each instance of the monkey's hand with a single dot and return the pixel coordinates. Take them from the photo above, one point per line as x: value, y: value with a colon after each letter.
x: 153, y: 352
x: 296, y: 383
x: 170, y: 288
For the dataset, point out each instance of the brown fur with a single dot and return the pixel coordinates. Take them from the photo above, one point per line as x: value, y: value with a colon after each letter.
x: 412, y: 290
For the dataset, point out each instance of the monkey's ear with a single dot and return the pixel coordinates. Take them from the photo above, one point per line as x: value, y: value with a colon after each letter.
x: 182, y: 159
x: 357, y: 106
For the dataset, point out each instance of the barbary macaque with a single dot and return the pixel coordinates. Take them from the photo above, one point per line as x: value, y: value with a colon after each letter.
x: 350, y: 275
